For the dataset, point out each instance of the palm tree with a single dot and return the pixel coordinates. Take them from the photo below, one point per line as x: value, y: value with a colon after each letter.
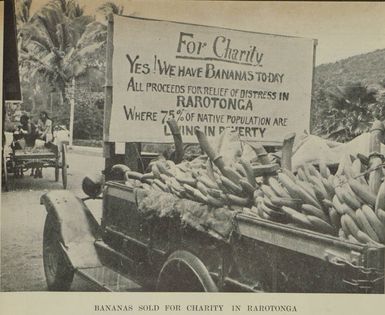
x: 23, y: 9
x: 30, y: 85
x: 110, y: 8
x: 350, y: 111
x: 56, y: 45
x: 60, y: 44
x: 70, y: 8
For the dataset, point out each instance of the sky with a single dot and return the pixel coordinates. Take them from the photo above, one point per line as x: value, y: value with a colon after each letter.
x: 342, y: 29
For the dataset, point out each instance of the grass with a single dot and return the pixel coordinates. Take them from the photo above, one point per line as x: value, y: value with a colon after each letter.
x: 88, y: 143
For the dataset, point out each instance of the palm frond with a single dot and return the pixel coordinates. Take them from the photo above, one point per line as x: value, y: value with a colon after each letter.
x: 89, y: 50
x: 110, y: 8
x: 78, y: 26
x: 38, y: 35
x: 46, y: 22
x: 70, y: 8
x: 23, y: 11
x: 94, y: 32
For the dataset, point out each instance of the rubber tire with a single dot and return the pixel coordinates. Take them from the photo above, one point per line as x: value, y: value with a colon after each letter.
x: 59, y: 275
x: 64, y: 165
x: 185, y: 272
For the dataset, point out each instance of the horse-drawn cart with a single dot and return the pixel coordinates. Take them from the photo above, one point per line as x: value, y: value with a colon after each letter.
x: 18, y: 161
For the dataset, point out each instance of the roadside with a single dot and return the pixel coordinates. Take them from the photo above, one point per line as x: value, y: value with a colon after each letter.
x: 94, y: 151
x: 22, y: 222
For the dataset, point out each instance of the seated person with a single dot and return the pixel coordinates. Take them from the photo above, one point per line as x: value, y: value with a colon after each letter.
x: 25, y: 135
x: 44, y: 130
x: 44, y: 126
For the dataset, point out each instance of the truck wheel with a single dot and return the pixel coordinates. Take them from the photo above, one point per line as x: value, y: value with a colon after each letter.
x: 184, y: 272
x: 58, y: 273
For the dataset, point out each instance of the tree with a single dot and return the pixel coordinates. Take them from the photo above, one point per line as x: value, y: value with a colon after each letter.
x: 70, y: 8
x: 110, y: 8
x: 350, y: 110
x: 56, y: 44
x: 23, y: 18
x: 88, y: 122
x: 59, y: 44
x: 23, y: 11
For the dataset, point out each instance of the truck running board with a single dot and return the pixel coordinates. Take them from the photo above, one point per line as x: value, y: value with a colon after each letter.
x: 108, y: 280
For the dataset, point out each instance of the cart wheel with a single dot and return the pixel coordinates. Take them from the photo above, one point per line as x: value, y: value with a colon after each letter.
x: 57, y: 169
x: 64, y: 165
x: 58, y: 273
x: 57, y: 165
x: 4, y: 172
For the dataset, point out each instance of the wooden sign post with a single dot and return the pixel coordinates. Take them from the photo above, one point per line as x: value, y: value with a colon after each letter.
x: 132, y: 150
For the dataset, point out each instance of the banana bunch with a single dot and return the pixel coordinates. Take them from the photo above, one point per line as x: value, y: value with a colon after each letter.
x: 360, y: 199
x: 301, y: 200
x: 349, y: 203
x: 199, y: 180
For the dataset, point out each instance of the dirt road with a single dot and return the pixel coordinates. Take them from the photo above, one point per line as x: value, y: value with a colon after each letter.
x: 22, y: 221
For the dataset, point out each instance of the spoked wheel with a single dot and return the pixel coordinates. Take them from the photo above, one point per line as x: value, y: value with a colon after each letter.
x: 4, y: 172
x: 64, y: 165
x: 57, y: 165
x: 58, y: 273
x: 57, y: 169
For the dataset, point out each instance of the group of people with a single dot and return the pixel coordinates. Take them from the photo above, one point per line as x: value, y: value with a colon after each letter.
x: 27, y: 133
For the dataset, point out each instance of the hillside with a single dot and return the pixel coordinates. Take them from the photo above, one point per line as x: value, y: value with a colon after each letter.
x: 366, y: 68
x: 361, y: 79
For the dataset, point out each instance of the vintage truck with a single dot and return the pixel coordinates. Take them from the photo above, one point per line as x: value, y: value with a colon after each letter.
x: 130, y: 251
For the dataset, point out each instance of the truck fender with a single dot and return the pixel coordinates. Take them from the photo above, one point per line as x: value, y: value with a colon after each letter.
x: 197, y: 268
x: 76, y: 227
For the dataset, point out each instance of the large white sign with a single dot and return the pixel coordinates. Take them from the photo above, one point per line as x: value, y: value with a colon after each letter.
x: 207, y: 77
x: 1, y: 48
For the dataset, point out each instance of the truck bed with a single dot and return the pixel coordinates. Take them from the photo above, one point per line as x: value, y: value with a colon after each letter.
x: 260, y: 255
x: 321, y: 246
x: 292, y: 259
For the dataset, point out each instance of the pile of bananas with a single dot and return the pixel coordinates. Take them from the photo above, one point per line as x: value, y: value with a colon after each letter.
x: 304, y: 203
x: 349, y: 203
x: 360, y: 200
x: 201, y: 181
